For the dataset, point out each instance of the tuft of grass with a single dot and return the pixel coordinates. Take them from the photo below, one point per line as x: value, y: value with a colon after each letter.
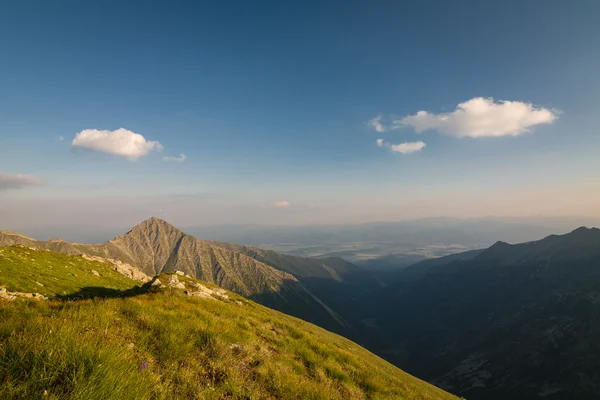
x: 166, y: 345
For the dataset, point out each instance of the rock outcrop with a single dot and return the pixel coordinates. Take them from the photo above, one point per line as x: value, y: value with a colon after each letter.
x: 125, y: 269
x: 6, y: 295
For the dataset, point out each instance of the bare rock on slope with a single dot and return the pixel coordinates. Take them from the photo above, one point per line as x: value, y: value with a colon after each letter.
x: 206, y: 292
x: 174, y: 282
x: 123, y: 268
x: 6, y: 295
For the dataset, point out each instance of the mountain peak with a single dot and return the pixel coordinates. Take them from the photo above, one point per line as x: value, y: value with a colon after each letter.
x: 152, y: 226
x: 155, y: 221
x: 585, y: 230
x: 499, y: 245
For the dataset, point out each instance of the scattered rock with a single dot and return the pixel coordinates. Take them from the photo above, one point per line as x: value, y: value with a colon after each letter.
x: 157, y: 284
x: 180, y: 273
x: 39, y: 284
x: 221, y: 292
x: 130, y: 346
x: 6, y: 295
x: 198, y: 294
x: 174, y: 282
x: 123, y: 268
x: 206, y: 292
x: 94, y: 272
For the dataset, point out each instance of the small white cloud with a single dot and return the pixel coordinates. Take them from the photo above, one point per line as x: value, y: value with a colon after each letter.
x: 404, y: 148
x: 407, y: 147
x: 481, y: 117
x: 282, y: 204
x: 121, y: 142
x: 179, y: 159
x: 61, y: 138
x: 17, y: 181
x: 376, y: 124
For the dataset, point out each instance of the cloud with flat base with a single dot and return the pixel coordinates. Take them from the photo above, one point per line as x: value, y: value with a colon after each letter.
x: 476, y: 118
x: 121, y: 142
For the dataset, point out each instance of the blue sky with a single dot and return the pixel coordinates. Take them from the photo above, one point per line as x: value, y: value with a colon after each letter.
x: 271, y: 103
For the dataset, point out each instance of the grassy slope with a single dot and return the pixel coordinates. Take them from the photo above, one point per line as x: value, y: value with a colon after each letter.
x: 168, y: 345
x: 21, y: 269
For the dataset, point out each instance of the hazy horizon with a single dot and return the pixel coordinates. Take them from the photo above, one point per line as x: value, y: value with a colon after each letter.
x: 98, y: 233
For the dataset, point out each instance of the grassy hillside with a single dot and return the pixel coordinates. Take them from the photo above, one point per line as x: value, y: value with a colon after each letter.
x: 54, y: 274
x: 142, y: 344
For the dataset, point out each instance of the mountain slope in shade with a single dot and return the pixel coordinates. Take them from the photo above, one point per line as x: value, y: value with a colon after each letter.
x: 515, y: 321
x: 156, y: 247
x: 344, y: 286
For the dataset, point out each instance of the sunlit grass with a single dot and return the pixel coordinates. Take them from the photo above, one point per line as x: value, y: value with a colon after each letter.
x: 167, y: 345
x: 55, y: 274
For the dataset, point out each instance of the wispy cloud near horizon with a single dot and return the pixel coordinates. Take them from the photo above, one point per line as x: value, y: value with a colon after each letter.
x: 179, y: 159
x: 17, y: 181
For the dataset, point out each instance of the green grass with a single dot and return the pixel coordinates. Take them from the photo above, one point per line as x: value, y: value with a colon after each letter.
x: 167, y: 345
x: 23, y: 270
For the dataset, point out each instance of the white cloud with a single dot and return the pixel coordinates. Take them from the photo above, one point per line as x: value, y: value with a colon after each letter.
x: 404, y: 148
x: 481, y: 117
x: 407, y: 147
x: 376, y: 124
x: 179, y: 159
x: 282, y: 204
x: 17, y: 181
x: 121, y: 142
x: 61, y: 138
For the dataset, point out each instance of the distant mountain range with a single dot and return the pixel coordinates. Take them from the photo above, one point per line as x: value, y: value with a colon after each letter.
x: 383, y: 246
x: 512, y: 321
x: 474, y: 232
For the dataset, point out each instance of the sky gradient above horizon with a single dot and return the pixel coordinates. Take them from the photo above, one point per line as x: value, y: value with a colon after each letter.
x: 299, y: 113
